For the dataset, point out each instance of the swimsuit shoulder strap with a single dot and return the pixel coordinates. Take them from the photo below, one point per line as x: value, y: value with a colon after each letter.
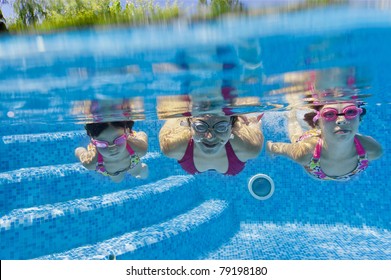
x: 100, y: 159
x: 99, y: 164
x: 189, y: 151
x: 130, y: 150
x: 318, y: 149
x: 359, y: 147
x: 235, y: 165
x: 187, y: 161
x: 231, y: 153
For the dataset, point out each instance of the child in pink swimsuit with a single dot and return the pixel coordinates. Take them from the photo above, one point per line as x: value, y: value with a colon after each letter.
x: 115, y: 149
x: 333, y: 149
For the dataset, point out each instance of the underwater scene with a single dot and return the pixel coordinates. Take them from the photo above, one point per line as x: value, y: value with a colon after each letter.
x: 195, y: 130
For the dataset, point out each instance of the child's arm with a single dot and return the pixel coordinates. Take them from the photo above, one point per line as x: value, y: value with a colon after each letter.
x: 139, y: 142
x: 300, y: 152
x: 88, y: 157
x: 174, y: 137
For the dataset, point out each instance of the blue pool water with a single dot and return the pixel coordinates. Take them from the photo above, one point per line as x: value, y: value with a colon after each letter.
x: 53, y: 208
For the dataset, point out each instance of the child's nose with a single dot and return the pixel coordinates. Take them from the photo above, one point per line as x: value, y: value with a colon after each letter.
x: 209, y: 134
x: 341, y: 120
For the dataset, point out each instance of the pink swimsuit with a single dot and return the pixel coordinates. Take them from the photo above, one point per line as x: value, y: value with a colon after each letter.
x: 235, y: 166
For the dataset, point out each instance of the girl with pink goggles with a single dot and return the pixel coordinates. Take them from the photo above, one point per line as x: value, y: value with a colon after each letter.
x: 119, y: 141
x: 331, y: 114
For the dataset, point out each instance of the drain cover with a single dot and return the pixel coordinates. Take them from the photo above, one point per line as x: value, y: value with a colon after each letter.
x: 261, y: 186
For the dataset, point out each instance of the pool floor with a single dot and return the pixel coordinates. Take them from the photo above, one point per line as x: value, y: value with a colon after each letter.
x: 300, y: 241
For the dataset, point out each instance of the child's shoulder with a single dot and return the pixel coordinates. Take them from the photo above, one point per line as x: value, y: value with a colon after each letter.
x: 371, y: 146
x: 302, y: 151
x: 176, y: 150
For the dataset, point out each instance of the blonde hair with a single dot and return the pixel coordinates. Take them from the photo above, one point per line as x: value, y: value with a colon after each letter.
x: 173, y: 133
x: 249, y: 132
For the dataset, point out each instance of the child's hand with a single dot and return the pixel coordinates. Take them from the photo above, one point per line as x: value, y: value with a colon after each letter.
x: 91, y: 148
x: 269, y: 149
x: 252, y: 121
x: 86, y: 156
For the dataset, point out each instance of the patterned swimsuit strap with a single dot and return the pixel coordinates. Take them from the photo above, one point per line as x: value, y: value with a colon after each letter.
x: 359, y: 148
x: 100, y: 159
x: 130, y: 150
x: 318, y: 149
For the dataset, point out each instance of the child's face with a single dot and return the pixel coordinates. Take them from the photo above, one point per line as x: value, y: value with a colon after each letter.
x: 341, y: 128
x: 211, y: 133
x: 110, y: 134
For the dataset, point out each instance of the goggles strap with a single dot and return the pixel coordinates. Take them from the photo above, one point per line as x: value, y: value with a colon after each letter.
x: 317, y: 116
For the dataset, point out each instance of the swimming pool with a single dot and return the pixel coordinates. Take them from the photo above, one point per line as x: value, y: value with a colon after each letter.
x: 52, y: 208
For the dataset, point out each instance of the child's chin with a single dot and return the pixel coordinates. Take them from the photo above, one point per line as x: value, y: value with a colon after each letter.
x: 210, y: 150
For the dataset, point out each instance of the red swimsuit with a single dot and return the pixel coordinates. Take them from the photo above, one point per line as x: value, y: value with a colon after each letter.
x: 235, y: 166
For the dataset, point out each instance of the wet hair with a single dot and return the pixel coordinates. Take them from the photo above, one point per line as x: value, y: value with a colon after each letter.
x: 309, y: 117
x: 95, y: 129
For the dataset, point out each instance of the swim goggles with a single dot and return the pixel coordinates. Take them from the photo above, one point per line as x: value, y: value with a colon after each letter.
x: 121, y: 140
x: 203, y: 127
x: 331, y: 114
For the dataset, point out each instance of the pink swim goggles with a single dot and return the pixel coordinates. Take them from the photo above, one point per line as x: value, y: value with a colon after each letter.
x: 121, y: 140
x: 331, y: 114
